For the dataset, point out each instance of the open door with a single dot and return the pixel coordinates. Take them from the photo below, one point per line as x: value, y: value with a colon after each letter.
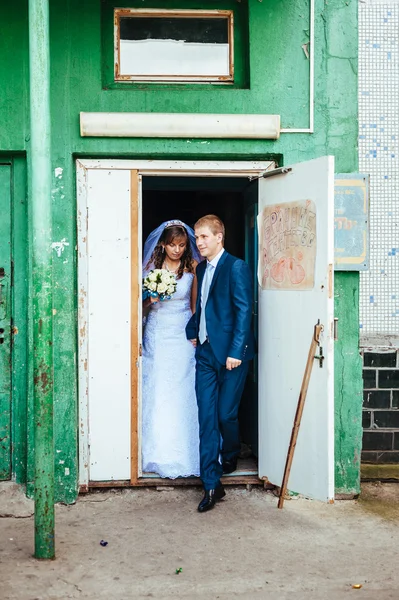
x: 295, y: 275
x: 109, y: 340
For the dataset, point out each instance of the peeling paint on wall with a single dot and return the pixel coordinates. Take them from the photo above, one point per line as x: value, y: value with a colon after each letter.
x: 59, y: 247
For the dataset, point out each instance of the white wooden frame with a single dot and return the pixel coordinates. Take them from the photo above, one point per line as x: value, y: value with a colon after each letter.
x: 160, y: 168
x: 173, y: 13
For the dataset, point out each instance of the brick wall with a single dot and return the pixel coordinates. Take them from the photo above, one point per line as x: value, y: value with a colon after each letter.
x: 381, y: 406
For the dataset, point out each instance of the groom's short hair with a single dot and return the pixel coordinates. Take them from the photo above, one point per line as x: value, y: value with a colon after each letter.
x: 215, y: 224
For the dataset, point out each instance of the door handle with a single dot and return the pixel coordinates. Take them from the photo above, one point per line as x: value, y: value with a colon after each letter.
x: 320, y: 357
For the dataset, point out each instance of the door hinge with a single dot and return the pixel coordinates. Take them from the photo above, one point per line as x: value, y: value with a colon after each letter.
x: 330, y: 280
x: 272, y: 173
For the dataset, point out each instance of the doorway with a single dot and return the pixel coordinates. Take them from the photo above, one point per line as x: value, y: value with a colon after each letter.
x: 110, y: 213
x: 287, y: 205
x: 232, y: 199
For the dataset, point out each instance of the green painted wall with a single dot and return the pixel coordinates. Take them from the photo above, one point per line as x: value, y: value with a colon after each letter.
x: 276, y: 82
x: 348, y: 385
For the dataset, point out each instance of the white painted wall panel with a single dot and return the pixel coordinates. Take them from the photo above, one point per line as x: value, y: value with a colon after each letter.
x: 109, y: 300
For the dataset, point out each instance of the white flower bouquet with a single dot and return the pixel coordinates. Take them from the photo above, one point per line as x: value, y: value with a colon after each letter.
x: 159, y: 283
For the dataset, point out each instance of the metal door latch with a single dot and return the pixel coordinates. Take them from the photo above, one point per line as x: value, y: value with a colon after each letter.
x: 320, y: 357
x: 335, y: 328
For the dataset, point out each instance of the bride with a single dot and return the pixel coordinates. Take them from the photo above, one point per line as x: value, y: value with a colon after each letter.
x: 170, y: 433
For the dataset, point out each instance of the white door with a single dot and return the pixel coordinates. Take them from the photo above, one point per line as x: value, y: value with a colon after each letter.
x: 111, y: 268
x: 296, y: 254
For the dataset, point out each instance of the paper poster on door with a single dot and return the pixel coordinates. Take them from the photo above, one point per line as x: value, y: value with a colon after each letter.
x: 287, y: 246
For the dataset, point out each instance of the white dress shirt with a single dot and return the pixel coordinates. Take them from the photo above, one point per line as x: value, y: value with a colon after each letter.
x: 206, y: 286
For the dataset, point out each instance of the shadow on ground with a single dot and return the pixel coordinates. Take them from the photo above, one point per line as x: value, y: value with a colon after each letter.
x: 380, y: 499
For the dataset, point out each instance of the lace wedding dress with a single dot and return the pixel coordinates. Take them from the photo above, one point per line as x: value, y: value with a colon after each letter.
x: 170, y: 434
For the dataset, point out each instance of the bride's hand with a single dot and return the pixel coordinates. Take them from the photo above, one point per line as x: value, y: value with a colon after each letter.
x: 149, y: 301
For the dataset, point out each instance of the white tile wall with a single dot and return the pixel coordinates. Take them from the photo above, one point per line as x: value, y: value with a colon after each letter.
x: 379, y: 156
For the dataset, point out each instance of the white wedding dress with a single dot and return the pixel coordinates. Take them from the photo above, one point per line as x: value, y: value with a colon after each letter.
x: 170, y: 434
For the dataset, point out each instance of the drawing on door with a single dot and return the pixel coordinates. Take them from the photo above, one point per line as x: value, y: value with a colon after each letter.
x: 288, y: 251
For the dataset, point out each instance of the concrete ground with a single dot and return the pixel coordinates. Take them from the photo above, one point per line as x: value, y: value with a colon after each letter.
x: 244, y: 548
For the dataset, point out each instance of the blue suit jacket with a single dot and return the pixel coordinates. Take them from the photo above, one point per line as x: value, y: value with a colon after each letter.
x: 228, y: 309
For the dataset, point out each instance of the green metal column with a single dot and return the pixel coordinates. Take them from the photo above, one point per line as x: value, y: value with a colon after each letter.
x: 40, y: 176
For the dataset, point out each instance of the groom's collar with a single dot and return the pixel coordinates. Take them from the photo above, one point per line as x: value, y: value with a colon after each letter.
x: 215, y: 260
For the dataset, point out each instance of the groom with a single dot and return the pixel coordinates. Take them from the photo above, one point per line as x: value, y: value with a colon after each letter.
x: 221, y: 331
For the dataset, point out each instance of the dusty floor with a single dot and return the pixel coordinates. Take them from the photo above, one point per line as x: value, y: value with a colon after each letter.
x: 244, y: 548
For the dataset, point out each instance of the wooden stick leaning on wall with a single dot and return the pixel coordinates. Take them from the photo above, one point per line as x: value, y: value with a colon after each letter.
x: 134, y: 339
x: 299, y: 411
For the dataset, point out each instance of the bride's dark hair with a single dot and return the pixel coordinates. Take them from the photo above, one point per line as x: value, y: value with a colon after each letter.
x: 169, y: 235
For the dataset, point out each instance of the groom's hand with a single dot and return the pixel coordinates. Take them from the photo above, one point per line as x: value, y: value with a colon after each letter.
x: 232, y: 363
x: 194, y: 343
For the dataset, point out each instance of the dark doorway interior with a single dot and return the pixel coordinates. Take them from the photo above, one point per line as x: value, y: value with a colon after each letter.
x: 188, y: 199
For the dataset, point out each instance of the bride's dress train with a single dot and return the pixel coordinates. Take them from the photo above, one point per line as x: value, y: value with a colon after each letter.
x: 170, y: 434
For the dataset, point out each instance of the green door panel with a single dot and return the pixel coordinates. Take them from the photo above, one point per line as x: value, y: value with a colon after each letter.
x: 5, y: 320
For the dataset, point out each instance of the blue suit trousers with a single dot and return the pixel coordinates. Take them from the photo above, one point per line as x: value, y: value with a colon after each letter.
x: 219, y: 393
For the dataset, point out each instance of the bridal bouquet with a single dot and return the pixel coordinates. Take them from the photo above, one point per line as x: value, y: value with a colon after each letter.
x: 159, y: 282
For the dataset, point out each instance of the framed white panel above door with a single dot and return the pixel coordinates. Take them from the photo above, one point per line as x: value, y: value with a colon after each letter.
x: 296, y: 254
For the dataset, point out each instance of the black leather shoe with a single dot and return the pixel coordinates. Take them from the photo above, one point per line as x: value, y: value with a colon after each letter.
x: 229, y: 466
x: 210, y: 498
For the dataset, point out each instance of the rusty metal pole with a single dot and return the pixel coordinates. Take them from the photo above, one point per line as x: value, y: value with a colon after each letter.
x: 40, y: 177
